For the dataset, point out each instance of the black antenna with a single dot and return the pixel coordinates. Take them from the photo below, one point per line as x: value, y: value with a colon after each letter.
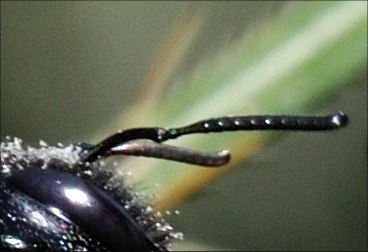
x: 124, y: 143
x: 265, y: 122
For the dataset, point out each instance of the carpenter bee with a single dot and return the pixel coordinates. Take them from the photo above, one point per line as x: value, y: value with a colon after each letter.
x: 65, y: 198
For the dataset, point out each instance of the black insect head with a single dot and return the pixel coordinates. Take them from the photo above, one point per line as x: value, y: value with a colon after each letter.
x: 66, y: 199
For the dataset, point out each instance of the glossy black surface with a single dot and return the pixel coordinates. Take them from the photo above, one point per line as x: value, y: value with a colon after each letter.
x: 28, y: 225
x: 52, y: 202
x: 83, y: 204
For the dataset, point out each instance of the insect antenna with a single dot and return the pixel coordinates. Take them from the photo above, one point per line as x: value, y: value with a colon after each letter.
x: 148, y: 148
x: 125, y: 142
x: 264, y: 122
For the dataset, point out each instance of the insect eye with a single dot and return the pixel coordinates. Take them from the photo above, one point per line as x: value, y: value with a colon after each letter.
x: 55, y: 205
x: 82, y: 203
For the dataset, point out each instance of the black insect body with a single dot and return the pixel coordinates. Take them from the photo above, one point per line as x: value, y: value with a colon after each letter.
x: 50, y: 201
x: 66, y: 198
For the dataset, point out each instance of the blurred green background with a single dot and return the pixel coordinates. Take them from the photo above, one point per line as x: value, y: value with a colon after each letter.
x: 70, y: 70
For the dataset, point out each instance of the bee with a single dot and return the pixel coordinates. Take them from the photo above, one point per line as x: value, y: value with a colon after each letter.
x: 65, y: 198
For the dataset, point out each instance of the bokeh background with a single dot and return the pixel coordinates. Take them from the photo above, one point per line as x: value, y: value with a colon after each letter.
x: 74, y: 71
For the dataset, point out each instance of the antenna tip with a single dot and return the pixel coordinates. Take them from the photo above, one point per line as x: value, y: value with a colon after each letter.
x: 339, y: 119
